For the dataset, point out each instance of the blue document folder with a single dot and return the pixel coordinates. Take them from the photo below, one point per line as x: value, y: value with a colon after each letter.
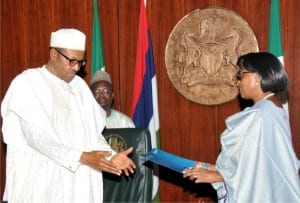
x: 168, y: 160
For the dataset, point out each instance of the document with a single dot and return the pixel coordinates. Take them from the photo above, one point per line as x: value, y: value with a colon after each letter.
x: 168, y: 160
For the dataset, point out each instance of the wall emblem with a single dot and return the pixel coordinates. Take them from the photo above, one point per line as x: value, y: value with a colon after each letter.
x: 202, y: 51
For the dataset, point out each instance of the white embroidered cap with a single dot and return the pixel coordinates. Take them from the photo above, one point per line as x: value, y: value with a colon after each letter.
x: 101, y: 76
x: 68, y: 39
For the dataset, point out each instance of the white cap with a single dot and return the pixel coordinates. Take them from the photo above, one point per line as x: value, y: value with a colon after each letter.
x: 68, y: 39
x: 101, y: 76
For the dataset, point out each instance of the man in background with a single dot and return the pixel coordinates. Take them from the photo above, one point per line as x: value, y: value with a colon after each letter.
x: 102, y: 88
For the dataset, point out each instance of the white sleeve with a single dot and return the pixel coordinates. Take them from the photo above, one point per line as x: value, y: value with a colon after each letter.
x: 20, y: 133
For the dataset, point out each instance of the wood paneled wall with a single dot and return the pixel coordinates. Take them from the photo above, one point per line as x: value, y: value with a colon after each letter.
x: 186, y: 128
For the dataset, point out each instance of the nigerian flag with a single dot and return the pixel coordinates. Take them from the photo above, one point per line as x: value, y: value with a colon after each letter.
x: 97, y: 45
x: 275, y: 40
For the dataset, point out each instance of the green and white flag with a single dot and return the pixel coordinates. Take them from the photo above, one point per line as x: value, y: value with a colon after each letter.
x: 97, y: 44
x: 275, y: 39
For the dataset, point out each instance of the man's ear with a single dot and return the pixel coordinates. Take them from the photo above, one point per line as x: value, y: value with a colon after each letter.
x: 257, y: 78
x: 113, y: 95
x: 52, y: 53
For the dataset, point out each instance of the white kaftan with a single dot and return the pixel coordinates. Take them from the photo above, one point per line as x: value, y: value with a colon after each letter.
x: 257, y: 160
x: 117, y: 119
x: 47, y: 124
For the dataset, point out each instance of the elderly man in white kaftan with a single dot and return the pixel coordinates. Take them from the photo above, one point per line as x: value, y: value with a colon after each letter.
x: 50, y: 120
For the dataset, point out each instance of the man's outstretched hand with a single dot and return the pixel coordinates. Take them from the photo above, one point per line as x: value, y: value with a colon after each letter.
x: 123, y: 162
x: 98, y: 160
x: 118, y: 163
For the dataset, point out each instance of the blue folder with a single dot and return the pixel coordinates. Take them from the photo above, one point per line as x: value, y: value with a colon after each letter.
x: 168, y: 160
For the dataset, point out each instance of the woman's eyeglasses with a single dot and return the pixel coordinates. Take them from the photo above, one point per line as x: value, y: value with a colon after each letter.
x: 240, y: 74
x: 72, y: 62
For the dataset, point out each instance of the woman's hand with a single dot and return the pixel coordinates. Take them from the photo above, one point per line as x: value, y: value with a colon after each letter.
x: 201, y: 175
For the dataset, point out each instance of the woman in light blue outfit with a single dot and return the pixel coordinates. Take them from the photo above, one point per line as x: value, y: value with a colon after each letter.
x: 257, y: 162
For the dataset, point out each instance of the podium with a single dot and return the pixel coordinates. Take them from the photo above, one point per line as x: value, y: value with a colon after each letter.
x: 138, y: 186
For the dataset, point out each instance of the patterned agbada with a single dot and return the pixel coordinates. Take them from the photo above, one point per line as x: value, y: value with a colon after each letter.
x: 117, y: 119
x: 47, y: 123
x: 257, y: 160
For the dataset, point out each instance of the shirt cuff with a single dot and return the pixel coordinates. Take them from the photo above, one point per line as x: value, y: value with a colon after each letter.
x: 74, y: 160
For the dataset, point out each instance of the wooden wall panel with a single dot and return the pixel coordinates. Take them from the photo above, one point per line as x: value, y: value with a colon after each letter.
x: 291, y: 43
x: 128, y: 35
x: 108, y: 13
x: 186, y: 128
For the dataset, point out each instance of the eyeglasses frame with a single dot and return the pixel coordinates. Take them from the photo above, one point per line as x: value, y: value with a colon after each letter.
x: 240, y: 74
x: 72, y: 62
x: 105, y: 91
